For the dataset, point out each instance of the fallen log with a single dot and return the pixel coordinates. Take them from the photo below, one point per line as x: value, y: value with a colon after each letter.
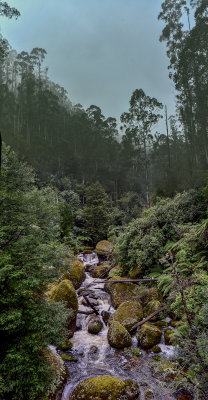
x: 128, y: 280
x: 148, y: 318
x: 90, y: 304
x: 85, y: 312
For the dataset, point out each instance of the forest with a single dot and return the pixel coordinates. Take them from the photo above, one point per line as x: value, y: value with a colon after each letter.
x: 104, y: 230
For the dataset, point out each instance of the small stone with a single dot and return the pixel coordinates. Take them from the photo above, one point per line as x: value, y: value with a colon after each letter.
x: 156, y: 349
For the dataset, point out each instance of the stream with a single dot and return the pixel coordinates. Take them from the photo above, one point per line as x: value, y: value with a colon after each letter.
x: 95, y: 357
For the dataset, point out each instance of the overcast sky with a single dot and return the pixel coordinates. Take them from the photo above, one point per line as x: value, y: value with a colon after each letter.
x: 99, y: 50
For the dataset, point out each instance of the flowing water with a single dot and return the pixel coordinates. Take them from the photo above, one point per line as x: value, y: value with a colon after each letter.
x: 94, y: 354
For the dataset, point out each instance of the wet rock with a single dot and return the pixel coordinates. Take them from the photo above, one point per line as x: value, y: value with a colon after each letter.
x: 93, y: 350
x: 118, y: 336
x: 104, y: 248
x: 168, y: 335
x: 95, y: 325
x: 156, y: 349
x: 106, y: 316
x: 79, y: 326
x: 76, y: 273
x: 89, y: 267
x: 106, y: 388
x: 68, y: 357
x: 149, y: 394
x: 151, y: 307
x: 128, y: 314
x: 67, y: 345
x: 132, y: 390
x: 148, y: 335
x: 100, y: 270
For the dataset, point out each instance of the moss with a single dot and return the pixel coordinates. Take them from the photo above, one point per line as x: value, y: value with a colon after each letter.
x: 155, y: 294
x: 168, y: 335
x: 135, y: 273
x: 156, y: 349
x: 161, y: 324
x: 95, y: 325
x: 100, y: 270
x: 69, y: 357
x: 148, y: 335
x: 105, y: 388
x: 65, y: 291
x: 104, y: 248
x: 59, y: 370
x: 118, y: 336
x: 151, y: 307
x: 128, y: 314
x: 116, y: 271
x: 67, y: 345
x: 156, y: 358
x: 133, y: 352
x: 175, y: 324
x: 121, y: 292
x: 76, y: 273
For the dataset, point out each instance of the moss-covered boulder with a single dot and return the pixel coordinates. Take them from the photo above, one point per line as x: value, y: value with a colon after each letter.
x: 100, y: 270
x: 128, y: 314
x: 155, y: 294
x: 116, y: 271
x: 118, y: 336
x: 65, y: 346
x: 151, y: 307
x: 59, y: 372
x: 76, y: 273
x: 156, y: 349
x: 104, y: 248
x: 168, y: 335
x: 121, y: 292
x: 148, y: 335
x: 105, y: 388
x: 65, y: 291
x: 95, y: 325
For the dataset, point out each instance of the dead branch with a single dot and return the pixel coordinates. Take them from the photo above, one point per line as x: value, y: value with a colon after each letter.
x: 148, y: 318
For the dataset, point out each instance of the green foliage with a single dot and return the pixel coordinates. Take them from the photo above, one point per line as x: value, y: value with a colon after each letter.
x: 142, y: 243
x: 30, y: 258
x: 96, y: 212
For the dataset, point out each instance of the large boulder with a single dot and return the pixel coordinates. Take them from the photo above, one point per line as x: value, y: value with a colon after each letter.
x: 106, y: 388
x: 95, y: 325
x: 121, y: 292
x: 118, y: 336
x: 76, y: 273
x: 148, y: 335
x: 59, y: 372
x: 104, y: 248
x: 151, y: 307
x: 100, y: 270
x: 64, y: 291
x: 128, y: 314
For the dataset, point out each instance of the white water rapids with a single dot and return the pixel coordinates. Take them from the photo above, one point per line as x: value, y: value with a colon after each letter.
x: 94, y: 354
